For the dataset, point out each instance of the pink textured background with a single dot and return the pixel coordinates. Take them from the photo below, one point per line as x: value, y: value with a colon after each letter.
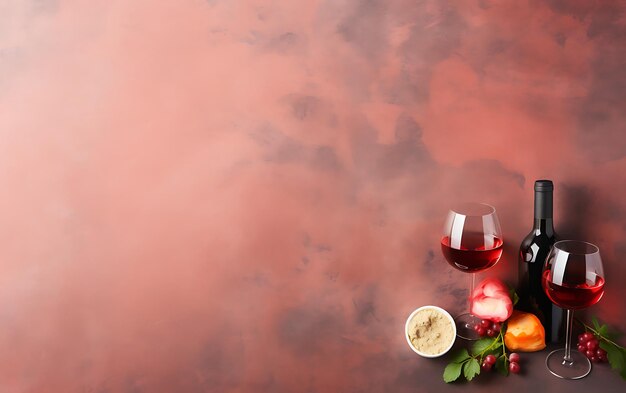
x: 247, y: 196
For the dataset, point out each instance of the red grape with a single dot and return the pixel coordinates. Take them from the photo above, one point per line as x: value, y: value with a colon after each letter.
x: 490, y: 359
x: 594, y: 359
x: 592, y: 344
x: 582, y: 348
x: 601, y: 354
x: 495, y: 326
x: 589, y: 353
x: 481, y: 331
x: 514, y: 367
x: 588, y: 336
x: 485, y: 323
x: 514, y: 357
x: 492, y: 333
x: 582, y: 339
x: 485, y: 366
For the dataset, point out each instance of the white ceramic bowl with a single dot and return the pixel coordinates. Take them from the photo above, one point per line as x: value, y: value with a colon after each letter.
x: 442, y: 311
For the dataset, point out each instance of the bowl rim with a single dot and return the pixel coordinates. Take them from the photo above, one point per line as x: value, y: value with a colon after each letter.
x: 406, y: 330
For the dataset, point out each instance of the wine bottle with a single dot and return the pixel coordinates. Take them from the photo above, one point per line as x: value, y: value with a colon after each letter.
x: 532, y: 255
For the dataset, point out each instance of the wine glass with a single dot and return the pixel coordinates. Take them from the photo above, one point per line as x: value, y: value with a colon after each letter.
x: 472, y: 242
x: 573, y: 279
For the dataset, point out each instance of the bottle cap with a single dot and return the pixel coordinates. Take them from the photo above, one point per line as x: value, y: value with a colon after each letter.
x: 544, y: 185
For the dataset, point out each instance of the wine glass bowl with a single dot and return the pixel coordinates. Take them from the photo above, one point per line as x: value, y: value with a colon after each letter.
x: 572, y: 278
x: 471, y: 242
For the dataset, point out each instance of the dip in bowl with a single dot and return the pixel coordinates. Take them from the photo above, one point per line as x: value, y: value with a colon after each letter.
x: 430, y: 331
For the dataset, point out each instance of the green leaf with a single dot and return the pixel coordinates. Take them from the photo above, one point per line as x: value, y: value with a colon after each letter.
x: 452, y: 372
x: 603, y: 331
x: 616, y: 357
x: 502, y: 365
x: 596, y: 324
x: 513, y: 295
x: 471, y: 369
x: 460, y: 356
x: 481, y: 345
x: 615, y: 353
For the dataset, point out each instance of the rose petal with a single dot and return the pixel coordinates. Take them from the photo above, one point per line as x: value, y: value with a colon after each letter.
x: 492, y: 287
x: 491, y: 300
x: 494, y: 309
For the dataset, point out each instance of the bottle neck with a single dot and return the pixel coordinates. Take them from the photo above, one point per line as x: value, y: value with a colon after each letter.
x: 543, y: 212
x: 543, y: 204
x: 544, y: 225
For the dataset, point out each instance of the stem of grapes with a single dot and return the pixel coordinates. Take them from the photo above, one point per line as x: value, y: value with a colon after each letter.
x: 587, y: 327
x: 499, y: 338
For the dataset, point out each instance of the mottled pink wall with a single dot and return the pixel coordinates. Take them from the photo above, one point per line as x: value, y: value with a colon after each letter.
x: 247, y: 196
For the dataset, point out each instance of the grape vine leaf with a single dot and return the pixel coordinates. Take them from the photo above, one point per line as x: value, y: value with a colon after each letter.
x: 460, y: 356
x: 501, y: 365
x: 513, y: 295
x: 452, y: 372
x: 471, y: 369
x: 595, y: 322
x: 602, y: 330
x: 616, y: 357
x: 481, y: 345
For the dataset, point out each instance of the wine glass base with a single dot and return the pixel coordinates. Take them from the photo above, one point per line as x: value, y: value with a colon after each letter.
x: 579, y: 367
x: 465, y: 326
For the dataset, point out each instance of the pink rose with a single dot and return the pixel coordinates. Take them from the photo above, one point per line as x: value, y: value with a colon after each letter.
x: 491, y: 300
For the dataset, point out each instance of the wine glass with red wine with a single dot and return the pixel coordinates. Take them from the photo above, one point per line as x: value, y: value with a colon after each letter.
x: 472, y: 242
x: 573, y: 279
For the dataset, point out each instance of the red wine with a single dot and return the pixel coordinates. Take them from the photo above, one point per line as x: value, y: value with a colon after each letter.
x: 574, y: 297
x: 532, y: 254
x: 472, y: 255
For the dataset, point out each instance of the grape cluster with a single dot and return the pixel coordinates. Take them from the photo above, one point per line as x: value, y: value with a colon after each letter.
x: 488, y: 362
x: 487, y: 328
x: 514, y: 366
x: 492, y: 329
x: 589, y: 346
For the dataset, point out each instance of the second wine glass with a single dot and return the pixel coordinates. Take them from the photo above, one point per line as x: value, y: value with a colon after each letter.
x: 472, y: 242
x: 573, y: 279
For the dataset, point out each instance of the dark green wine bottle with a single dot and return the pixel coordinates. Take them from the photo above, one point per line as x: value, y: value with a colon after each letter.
x: 532, y: 255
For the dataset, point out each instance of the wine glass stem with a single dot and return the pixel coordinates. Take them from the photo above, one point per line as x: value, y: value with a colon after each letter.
x: 567, y: 359
x: 469, y: 302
